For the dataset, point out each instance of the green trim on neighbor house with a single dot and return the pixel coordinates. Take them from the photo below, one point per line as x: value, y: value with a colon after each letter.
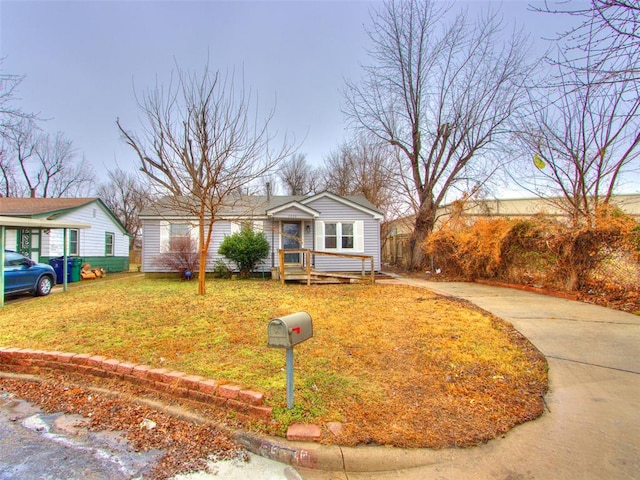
x: 52, y: 214
x: 110, y: 264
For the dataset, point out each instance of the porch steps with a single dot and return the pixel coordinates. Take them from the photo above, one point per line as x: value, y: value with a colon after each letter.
x: 317, y: 277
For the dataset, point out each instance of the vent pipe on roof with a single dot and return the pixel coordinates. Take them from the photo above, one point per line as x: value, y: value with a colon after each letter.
x: 268, y: 186
x: 33, y: 192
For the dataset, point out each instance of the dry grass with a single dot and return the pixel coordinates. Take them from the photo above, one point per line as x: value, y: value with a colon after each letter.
x: 397, y: 365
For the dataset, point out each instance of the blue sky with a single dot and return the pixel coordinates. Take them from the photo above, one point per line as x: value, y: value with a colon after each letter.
x: 82, y: 60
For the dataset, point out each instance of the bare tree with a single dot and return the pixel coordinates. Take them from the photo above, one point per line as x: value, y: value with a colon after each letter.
x: 584, y: 136
x: 39, y: 165
x: 126, y: 196
x: 7, y: 174
x: 337, y: 172
x: 20, y: 145
x: 442, y: 93
x: 604, y: 39
x: 297, y: 175
x: 201, y: 144
x: 9, y: 113
x: 362, y: 167
x: 11, y: 118
x: 57, y: 172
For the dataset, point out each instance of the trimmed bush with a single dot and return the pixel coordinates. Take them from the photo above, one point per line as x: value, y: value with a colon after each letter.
x: 245, y: 248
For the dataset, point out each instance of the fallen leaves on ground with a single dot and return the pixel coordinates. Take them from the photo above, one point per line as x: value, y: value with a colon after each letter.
x: 186, y: 445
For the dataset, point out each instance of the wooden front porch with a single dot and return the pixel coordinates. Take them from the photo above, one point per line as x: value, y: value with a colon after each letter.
x: 307, y: 273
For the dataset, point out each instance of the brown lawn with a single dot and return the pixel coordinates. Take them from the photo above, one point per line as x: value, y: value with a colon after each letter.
x: 395, y: 365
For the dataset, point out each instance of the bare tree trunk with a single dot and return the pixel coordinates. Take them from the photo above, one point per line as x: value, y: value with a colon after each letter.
x: 202, y: 269
x: 424, y: 223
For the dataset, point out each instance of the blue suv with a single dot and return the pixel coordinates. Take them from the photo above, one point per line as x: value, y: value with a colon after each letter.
x: 23, y: 275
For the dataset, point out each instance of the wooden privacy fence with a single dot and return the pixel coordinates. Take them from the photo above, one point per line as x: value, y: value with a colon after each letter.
x: 307, y: 270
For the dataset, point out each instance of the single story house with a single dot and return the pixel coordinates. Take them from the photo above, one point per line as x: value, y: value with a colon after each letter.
x: 321, y: 222
x: 104, y: 245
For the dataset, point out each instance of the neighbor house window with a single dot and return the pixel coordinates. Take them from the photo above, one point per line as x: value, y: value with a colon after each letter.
x: 73, y: 243
x: 108, y: 243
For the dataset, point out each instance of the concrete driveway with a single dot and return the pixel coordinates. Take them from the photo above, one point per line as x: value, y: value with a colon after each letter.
x: 591, y: 428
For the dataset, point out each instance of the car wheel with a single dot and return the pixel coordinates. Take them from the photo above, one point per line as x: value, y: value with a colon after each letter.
x: 44, y: 286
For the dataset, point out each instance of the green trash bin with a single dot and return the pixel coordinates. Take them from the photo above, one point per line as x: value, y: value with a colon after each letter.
x: 76, y: 265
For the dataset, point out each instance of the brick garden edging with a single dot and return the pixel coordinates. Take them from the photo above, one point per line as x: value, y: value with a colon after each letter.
x: 178, y: 384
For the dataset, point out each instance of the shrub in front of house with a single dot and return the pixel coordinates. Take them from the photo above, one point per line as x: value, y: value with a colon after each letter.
x: 182, y: 256
x: 245, y: 248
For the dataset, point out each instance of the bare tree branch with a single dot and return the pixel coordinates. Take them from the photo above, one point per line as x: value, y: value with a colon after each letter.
x: 297, y: 175
x: 201, y: 143
x: 126, y: 196
x: 441, y: 93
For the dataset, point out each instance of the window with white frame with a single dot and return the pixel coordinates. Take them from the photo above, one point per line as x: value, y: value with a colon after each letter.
x: 340, y: 236
x: 346, y: 236
x: 108, y: 244
x: 74, y: 243
x: 178, y: 236
x: 330, y: 235
x: 255, y: 225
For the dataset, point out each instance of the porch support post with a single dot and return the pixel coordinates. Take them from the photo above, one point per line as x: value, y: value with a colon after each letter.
x: 281, y: 265
x: 273, y: 244
x: 65, y: 239
x: 373, y: 275
x: 3, y: 240
x: 307, y: 255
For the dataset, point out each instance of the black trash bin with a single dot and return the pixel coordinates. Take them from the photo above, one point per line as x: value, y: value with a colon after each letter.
x: 58, y: 265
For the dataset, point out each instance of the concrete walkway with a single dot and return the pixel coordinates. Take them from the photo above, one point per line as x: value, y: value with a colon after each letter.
x: 591, y: 429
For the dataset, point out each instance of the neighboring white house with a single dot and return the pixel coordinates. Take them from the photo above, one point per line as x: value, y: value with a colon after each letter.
x: 322, y: 222
x: 105, y: 244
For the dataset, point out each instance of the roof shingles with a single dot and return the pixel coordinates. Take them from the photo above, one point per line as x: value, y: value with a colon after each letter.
x: 37, y: 207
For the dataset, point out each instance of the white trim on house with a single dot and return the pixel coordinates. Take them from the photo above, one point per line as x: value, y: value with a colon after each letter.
x: 297, y: 205
x: 345, y: 201
x: 358, y: 236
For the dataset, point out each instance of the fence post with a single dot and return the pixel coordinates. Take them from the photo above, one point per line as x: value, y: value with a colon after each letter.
x: 373, y: 275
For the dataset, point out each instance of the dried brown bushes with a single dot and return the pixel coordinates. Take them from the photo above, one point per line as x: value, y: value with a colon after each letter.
x: 541, y: 250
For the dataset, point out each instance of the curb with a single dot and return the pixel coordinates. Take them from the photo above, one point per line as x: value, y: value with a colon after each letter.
x: 310, y: 455
x: 247, y: 403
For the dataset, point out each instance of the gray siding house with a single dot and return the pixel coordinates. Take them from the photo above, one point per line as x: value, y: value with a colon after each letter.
x: 322, y: 222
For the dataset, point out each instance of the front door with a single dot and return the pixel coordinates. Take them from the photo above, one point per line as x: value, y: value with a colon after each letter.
x: 24, y: 242
x: 291, y: 239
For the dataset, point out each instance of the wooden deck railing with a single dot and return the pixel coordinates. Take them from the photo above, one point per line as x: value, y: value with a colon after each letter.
x: 306, y: 263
